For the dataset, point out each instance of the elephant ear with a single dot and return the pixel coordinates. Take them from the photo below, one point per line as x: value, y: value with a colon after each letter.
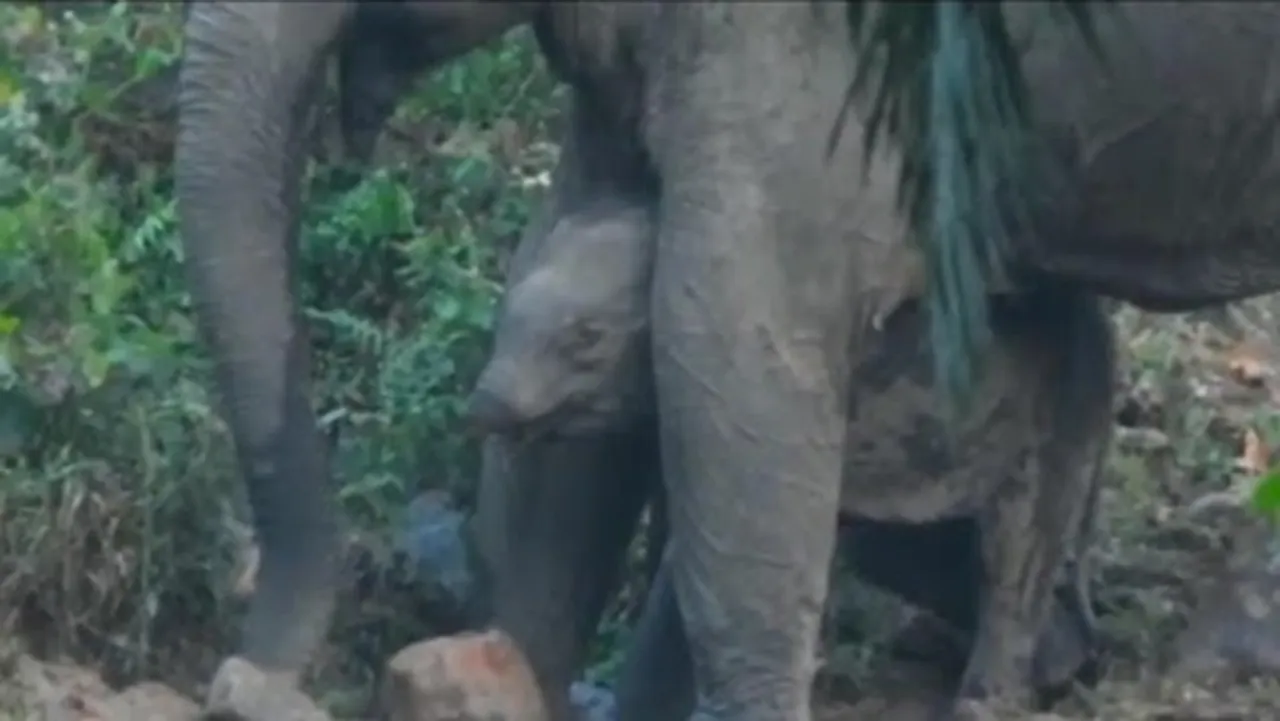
x: 946, y: 85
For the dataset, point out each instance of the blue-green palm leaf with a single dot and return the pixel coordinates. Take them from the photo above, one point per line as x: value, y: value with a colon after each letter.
x: 946, y: 86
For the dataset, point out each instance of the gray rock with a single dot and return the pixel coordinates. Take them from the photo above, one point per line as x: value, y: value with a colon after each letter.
x: 593, y: 703
x: 432, y: 538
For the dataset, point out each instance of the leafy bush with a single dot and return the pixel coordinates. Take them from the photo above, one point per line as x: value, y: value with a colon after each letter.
x: 120, y: 501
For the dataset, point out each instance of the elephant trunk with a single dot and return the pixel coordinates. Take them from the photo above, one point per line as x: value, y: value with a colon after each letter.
x: 248, y: 84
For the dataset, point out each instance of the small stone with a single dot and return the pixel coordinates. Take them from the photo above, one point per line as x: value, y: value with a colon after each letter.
x: 243, y: 692
x: 62, y: 692
x: 467, y: 677
x: 592, y: 702
x: 150, y: 701
x: 433, y: 539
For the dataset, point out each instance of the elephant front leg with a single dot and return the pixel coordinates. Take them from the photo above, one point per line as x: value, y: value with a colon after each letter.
x: 554, y: 521
x: 752, y: 443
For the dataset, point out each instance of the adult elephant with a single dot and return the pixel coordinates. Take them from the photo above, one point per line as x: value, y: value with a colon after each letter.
x: 1157, y: 184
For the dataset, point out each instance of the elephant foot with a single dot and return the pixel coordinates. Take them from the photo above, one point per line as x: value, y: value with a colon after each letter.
x: 988, y: 695
x: 1065, y: 655
x: 466, y: 677
x: 242, y: 692
x: 1068, y: 653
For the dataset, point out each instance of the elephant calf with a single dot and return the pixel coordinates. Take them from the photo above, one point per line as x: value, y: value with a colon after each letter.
x: 974, y: 530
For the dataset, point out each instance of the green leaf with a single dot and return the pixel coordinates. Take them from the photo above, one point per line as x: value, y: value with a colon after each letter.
x: 95, y: 367
x: 9, y: 87
x: 1266, y: 494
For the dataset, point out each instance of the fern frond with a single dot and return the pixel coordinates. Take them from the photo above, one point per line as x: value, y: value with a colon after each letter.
x: 945, y: 85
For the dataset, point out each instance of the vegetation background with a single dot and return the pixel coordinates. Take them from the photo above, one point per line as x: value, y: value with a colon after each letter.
x: 122, y: 526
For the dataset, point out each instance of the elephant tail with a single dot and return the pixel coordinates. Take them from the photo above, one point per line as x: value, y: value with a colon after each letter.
x: 946, y: 85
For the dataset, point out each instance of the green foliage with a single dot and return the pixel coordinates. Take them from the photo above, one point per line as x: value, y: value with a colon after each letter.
x: 1266, y: 495
x: 111, y: 451
x: 948, y: 90
x: 400, y: 293
x: 120, y: 498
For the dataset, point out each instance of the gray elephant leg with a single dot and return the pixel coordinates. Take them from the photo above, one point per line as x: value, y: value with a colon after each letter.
x: 751, y: 451
x: 966, y: 570
x: 556, y: 515
x: 1027, y: 527
x: 656, y: 679
x: 554, y: 521
x: 250, y: 73
x: 248, y: 68
x: 754, y: 276
x: 937, y: 566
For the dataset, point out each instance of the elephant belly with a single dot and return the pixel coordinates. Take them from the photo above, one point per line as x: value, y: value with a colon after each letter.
x: 901, y: 466
x: 1165, y: 181
x: 901, y: 462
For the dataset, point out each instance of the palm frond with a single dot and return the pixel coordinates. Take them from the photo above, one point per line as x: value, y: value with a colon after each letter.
x: 945, y: 84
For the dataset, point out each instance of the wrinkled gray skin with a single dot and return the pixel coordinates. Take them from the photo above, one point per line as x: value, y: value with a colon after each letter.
x: 571, y: 344
x: 554, y: 521
x: 571, y: 357
x: 554, y: 518
x: 1159, y: 187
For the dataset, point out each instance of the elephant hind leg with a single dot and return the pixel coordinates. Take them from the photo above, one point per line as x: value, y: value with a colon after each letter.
x: 938, y: 567
x: 1032, y: 521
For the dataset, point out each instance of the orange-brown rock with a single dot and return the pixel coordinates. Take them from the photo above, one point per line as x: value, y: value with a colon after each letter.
x: 467, y: 677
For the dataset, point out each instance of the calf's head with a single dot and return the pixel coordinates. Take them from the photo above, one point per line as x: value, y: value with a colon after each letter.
x: 571, y: 344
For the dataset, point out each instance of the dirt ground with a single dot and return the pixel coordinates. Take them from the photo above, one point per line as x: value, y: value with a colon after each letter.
x: 1184, y: 587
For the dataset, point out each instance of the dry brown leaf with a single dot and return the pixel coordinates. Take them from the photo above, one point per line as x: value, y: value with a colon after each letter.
x: 1254, y: 458
x: 1247, y: 366
x: 246, y: 572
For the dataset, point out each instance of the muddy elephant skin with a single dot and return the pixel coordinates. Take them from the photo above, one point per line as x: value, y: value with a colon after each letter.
x: 911, y: 505
x: 1157, y: 185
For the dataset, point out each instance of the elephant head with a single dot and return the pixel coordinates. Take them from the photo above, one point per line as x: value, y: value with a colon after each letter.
x: 250, y: 75
x: 570, y: 351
